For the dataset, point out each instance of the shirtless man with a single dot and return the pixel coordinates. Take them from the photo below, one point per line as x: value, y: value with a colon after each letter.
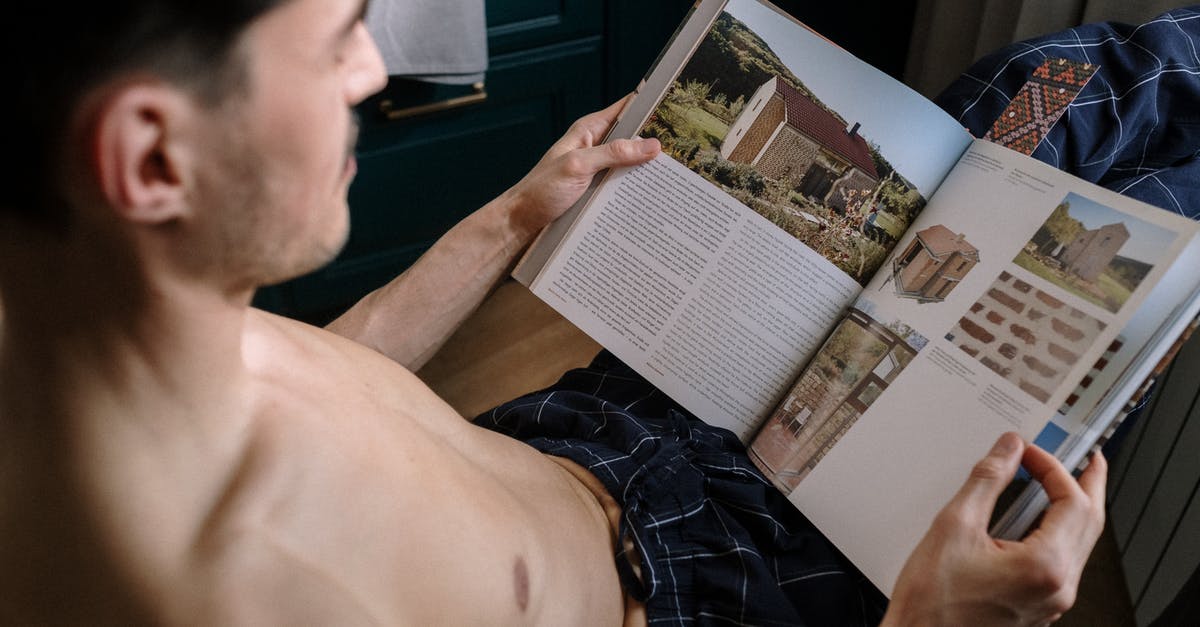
x: 170, y: 455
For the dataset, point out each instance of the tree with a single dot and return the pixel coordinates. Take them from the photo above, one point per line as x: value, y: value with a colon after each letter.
x: 735, y: 108
x: 1061, y: 226
x: 882, y: 166
x: 696, y: 92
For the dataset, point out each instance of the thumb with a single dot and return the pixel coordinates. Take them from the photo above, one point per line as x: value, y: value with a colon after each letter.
x: 618, y: 153
x: 977, y: 497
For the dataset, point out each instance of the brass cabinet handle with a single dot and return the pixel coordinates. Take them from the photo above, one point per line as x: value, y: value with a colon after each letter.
x: 387, y: 107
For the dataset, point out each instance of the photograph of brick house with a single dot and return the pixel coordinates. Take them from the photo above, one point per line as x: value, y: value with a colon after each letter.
x: 1025, y: 335
x: 772, y: 133
x: 933, y: 264
x: 1094, y: 251
x: 856, y: 364
x: 792, y: 139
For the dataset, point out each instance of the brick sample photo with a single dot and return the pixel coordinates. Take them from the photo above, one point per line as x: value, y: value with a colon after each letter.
x: 1025, y: 335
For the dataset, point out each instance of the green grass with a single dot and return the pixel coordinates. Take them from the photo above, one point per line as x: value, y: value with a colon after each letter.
x: 696, y: 123
x: 889, y: 223
x: 1115, y: 294
x: 1114, y: 291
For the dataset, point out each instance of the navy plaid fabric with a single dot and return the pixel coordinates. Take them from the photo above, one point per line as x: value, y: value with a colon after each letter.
x: 1134, y: 128
x: 717, y: 543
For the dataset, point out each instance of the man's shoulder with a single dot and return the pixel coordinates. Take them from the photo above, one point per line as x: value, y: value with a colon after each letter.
x: 313, y: 370
x: 274, y: 332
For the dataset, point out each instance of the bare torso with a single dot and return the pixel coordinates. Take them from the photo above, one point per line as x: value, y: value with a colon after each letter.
x: 349, y: 494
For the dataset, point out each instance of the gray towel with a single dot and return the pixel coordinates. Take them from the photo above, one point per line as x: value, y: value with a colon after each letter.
x: 439, y: 41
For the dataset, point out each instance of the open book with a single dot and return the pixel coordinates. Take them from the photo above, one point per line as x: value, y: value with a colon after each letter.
x: 827, y: 264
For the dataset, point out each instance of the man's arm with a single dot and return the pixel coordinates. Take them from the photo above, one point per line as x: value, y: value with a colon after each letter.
x: 958, y: 575
x: 411, y: 317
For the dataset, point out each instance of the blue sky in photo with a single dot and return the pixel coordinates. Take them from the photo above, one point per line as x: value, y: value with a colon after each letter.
x: 912, y: 133
x: 1147, y: 242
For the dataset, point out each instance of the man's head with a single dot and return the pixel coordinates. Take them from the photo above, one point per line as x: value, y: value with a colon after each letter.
x: 212, y: 118
x: 55, y: 55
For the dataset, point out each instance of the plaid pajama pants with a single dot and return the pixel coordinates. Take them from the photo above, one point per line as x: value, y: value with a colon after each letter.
x: 717, y: 543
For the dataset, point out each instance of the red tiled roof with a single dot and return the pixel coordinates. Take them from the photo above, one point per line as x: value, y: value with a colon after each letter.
x: 815, y: 121
x: 941, y: 241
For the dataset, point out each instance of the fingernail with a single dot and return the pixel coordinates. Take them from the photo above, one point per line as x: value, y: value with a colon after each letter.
x: 648, y: 146
x: 1006, y: 444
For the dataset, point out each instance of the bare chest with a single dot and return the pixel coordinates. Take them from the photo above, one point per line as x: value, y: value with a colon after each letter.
x: 370, y: 479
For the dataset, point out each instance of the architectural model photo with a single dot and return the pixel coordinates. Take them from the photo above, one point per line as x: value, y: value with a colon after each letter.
x: 933, y: 264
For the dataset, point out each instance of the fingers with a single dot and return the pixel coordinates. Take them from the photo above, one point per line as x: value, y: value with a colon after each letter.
x: 590, y: 129
x: 977, y: 497
x: 604, y: 119
x: 1049, y: 472
x: 585, y: 162
x: 1076, y: 512
x: 1094, y: 479
x: 624, y: 152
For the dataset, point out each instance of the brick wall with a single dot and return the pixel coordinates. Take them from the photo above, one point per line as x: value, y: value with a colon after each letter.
x: 760, y: 130
x: 788, y: 157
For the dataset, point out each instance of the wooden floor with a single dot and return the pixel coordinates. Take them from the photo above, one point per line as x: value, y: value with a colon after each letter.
x: 513, y: 344
x: 516, y: 344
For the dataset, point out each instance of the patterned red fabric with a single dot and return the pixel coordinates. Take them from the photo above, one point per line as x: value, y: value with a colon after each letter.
x: 1040, y: 103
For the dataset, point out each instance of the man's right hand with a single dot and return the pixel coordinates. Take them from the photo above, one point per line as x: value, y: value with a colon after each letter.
x: 958, y: 575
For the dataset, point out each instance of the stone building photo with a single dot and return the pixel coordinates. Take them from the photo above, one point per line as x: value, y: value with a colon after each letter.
x: 794, y: 140
x: 1093, y: 251
x: 933, y: 264
x: 854, y: 367
x: 1025, y: 335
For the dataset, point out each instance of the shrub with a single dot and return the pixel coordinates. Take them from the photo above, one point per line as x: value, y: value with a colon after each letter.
x: 749, y: 179
x: 685, y: 149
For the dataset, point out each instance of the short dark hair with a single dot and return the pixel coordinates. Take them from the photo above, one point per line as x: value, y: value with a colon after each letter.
x: 54, y: 53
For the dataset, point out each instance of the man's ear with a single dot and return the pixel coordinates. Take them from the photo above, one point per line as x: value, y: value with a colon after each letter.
x: 139, y: 152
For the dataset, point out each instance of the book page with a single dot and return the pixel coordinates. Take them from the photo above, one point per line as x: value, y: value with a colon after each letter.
x: 709, y: 301
x: 1010, y: 288
x: 1110, y: 389
x: 790, y: 171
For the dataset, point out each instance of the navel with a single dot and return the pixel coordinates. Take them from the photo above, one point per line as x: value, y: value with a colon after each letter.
x: 521, y: 583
